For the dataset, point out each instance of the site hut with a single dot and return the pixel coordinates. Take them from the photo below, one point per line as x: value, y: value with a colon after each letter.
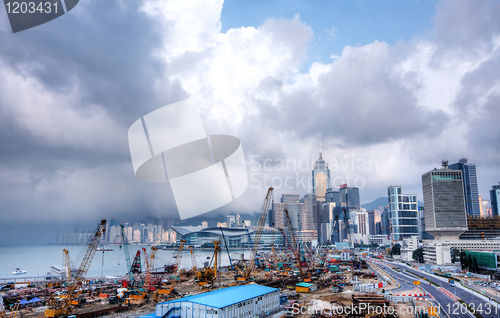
x: 305, y: 288
x: 239, y: 301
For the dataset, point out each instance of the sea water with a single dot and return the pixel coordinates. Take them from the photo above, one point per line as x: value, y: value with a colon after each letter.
x: 37, y: 259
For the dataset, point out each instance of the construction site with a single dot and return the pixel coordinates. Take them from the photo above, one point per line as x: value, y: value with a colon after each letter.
x: 311, y: 282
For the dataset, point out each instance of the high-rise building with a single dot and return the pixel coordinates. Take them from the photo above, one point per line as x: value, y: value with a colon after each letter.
x: 346, y: 198
x: 386, y: 221
x: 349, y: 197
x: 469, y: 181
x: 320, y: 178
x: 495, y: 200
x: 231, y: 220
x: 445, y: 216
x: 373, y: 219
x: 309, y: 219
x: 422, y: 233
x: 277, y: 217
x: 403, y: 211
x: 303, y: 214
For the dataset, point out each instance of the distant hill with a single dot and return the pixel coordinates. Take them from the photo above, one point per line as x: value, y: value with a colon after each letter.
x: 382, y: 201
x: 375, y: 204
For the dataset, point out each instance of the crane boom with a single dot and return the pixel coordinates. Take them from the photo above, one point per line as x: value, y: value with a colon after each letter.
x: 58, y: 308
x: 178, y: 256
x: 126, y: 249
x: 67, y: 266
x: 260, y: 229
x: 295, y: 248
x: 149, y: 267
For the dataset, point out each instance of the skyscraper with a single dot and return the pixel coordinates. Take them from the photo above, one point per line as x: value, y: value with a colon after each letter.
x: 349, y: 197
x: 309, y: 219
x: 320, y: 178
x: 469, y: 179
x: 444, y: 202
x: 403, y: 211
x: 495, y: 200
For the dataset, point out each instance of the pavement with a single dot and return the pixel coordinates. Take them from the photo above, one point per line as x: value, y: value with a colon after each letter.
x: 454, y: 309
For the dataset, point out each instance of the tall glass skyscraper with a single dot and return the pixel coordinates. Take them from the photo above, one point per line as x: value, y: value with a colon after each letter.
x: 320, y: 178
x: 495, y: 199
x: 403, y: 213
x: 471, y: 193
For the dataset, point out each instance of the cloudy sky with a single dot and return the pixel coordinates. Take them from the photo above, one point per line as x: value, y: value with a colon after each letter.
x: 384, y: 90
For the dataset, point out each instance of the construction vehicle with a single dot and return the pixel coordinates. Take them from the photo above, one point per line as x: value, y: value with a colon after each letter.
x: 164, y: 290
x: 258, y: 233
x: 64, y: 306
x: 139, y: 299
x: 207, y: 276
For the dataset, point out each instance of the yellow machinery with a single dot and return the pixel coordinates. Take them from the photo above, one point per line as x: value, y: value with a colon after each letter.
x: 13, y: 312
x: 193, y: 259
x: 258, y: 234
x: 178, y: 258
x: 64, y: 306
x: 207, y: 276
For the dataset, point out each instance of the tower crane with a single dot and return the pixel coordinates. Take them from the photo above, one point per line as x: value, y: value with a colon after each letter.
x: 258, y: 234
x: 126, y: 249
x: 65, y: 306
x: 295, y: 248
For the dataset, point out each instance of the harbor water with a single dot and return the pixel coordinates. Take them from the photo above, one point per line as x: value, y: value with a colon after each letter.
x: 37, y: 259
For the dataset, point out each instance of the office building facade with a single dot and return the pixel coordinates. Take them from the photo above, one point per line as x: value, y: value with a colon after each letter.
x: 495, y: 200
x: 403, y: 213
x: 469, y: 183
x: 444, y: 204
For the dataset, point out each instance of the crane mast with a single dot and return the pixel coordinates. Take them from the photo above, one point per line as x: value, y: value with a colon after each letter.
x: 295, y: 250
x: 149, y: 267
x: 58, y: 308
x: 258, y: 234
x: 67, y: 266
x: 126, y: 249
x: 178, y: 256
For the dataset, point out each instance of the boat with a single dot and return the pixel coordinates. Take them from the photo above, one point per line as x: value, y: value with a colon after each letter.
x: 104, y: 249
x: 18, y: 271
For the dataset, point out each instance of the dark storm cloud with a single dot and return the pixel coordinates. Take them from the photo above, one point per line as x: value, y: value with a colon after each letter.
x: 104, y: 48
x: 95, y: 66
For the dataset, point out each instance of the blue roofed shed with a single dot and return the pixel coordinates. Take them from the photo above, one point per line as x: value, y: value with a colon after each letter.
x: 239, y: 301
